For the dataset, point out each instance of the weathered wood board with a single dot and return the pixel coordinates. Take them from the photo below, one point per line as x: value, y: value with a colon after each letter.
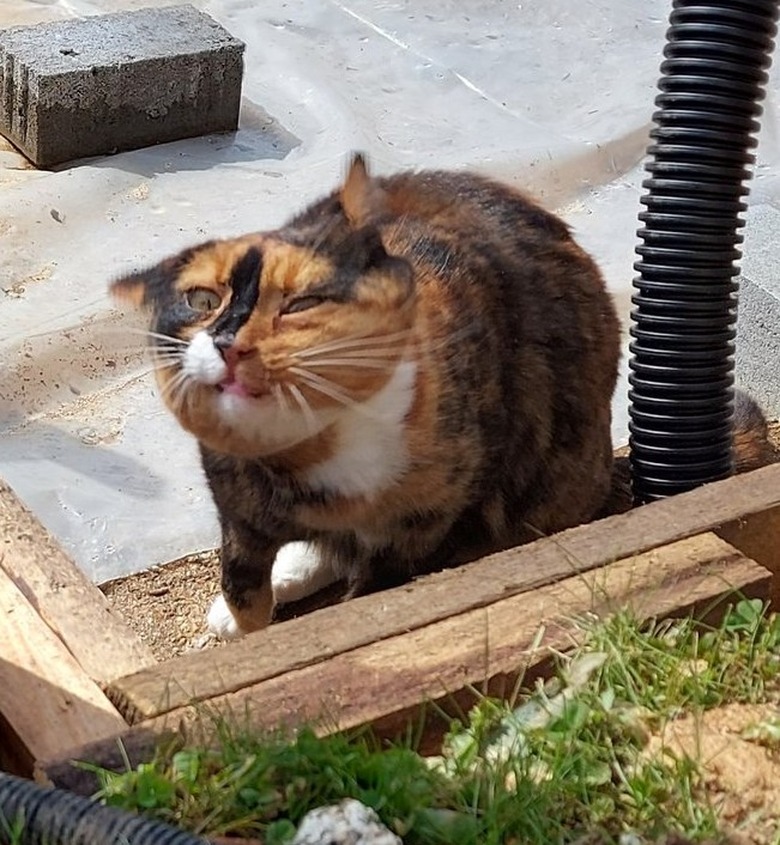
x: 75, y: 610
x: 362, y: 684
x: 332, y: 630
x: 47, y: 701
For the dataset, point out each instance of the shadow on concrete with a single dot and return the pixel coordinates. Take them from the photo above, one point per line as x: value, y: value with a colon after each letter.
x: 259, y: 137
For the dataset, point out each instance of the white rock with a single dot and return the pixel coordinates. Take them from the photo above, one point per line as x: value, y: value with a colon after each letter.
x: 347, y: 823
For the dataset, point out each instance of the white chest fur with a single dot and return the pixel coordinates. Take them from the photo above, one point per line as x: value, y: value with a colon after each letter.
x: 371, y: 448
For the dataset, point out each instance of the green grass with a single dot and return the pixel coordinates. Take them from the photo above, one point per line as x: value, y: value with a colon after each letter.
x: 562, y: 762
x: 12, y: 832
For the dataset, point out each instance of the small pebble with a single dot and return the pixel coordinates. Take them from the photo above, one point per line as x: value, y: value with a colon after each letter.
x: 199, y: 643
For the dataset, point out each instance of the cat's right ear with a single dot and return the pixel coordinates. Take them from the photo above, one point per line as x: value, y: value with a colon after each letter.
x: 132, y: 288
x: 143, y: 288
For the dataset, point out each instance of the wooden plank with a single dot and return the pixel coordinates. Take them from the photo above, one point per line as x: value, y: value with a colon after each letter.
x: 333, y: 630
x: 71, y: 606
x: 757, y: 536
x: 376, y: 682
x: 360, y: 686
x: 136, y: 747
x: 48, y: 703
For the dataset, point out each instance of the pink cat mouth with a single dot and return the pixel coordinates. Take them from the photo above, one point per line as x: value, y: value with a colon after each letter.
x: 233, y: 387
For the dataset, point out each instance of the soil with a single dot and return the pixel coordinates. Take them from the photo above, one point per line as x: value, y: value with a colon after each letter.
x: 166, y: 605
x: 741, y: 774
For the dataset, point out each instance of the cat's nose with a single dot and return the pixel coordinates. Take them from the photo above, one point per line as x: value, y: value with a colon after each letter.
x: 231, y: 351
x: 223, y: 340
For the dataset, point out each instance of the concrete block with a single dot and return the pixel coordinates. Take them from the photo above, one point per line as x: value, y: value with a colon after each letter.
x: 758, y: 325
x: 98, y: 85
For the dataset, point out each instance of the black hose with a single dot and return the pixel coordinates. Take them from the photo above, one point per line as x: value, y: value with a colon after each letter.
x: 55, y: 817
x: 683, y: 324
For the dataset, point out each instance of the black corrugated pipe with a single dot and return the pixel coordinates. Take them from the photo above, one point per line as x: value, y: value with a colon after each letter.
x: 683, y: 324
x: 55, y: 817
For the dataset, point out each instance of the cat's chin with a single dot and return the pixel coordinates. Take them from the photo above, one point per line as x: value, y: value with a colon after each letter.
x: 250, y: 426
x: 236, y: 397
x: 232, y: 387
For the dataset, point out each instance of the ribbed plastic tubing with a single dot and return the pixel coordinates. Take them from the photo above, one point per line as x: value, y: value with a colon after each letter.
x: 46, y: 816
x: 683, y: 321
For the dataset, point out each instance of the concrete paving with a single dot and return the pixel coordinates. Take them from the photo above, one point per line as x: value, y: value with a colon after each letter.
x: 758, y: 325
x: 555, y: 97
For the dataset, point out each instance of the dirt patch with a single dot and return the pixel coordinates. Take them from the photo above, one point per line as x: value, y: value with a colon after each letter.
x: 741, y: 765
x: 166, y: 605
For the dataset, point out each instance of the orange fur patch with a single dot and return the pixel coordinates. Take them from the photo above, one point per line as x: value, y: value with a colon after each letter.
x: 210, y: 267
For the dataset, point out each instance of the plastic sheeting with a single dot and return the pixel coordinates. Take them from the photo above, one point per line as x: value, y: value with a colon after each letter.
x: 554, y: 96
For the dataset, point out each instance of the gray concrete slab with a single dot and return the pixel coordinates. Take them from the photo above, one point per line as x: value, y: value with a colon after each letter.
x: 101, y: 84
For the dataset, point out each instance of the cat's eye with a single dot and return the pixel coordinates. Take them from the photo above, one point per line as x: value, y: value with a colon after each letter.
x: 202, y: 300
x: 302, y: 303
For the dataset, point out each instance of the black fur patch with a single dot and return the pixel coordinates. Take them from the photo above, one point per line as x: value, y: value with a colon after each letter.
x: 245, y: 284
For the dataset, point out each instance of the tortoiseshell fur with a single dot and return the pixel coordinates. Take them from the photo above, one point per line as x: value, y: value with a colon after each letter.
x: 480, y: 331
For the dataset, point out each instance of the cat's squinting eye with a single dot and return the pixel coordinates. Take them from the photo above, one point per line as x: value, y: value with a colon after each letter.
x: 302, y: 303
x: 202, y: 300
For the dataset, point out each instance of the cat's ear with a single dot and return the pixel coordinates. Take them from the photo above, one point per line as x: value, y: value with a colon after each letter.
x: 148, y: 286
x: 131, y: 289
x: 362, y: 199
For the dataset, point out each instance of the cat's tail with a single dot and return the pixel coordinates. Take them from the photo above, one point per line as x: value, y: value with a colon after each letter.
x: 751, y: 444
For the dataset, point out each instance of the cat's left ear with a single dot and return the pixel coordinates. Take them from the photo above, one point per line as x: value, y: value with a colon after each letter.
x: 362, y: 199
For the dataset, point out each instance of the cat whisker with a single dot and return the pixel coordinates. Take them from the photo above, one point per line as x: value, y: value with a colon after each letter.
x: 370, y: 364
x: 175, y: 389
x: 308, y: 414
x: 281, y: 399
x: 164, y: 350
x: 136, y: 375
x: 357, y: 342
x: 157, y: 335
x: 168, y: 359
x: 328, y: 388
x: 178, y: 378
x: 140, y: 349
x: 387, y: 354
x: 127, y: 350
x: 160, y: 352
x: 178, y: 397
x: 166, y: 363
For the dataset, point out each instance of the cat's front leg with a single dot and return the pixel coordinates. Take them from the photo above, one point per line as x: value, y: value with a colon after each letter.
x: 300, y: 570
x: 247, y: 600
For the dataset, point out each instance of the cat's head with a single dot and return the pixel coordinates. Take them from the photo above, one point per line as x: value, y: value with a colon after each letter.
x: 263, y: 341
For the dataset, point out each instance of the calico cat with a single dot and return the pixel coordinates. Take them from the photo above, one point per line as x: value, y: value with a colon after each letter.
x: 415, y: 371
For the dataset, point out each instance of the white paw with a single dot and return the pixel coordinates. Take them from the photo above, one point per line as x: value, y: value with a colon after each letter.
x: 221, y: 621
x: 298, y: 572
